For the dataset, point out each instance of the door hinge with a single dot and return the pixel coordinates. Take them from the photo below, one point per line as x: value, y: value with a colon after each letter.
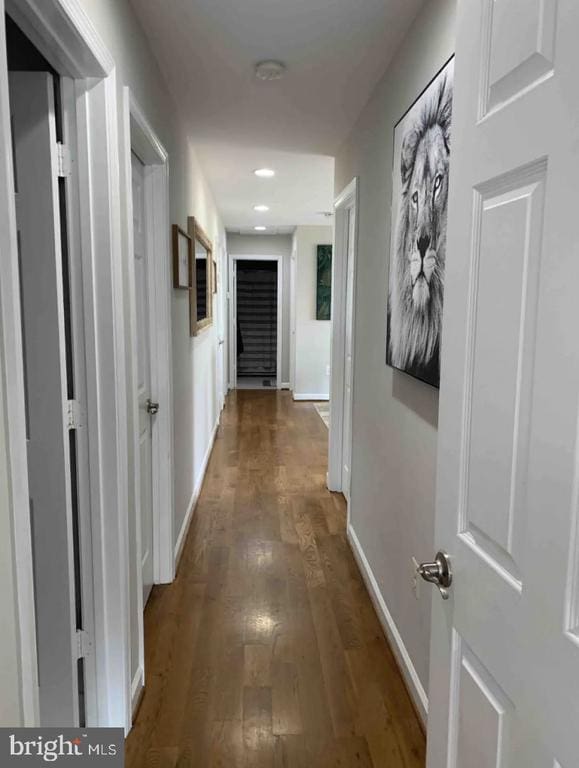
x: 83, y: 644
x: 63, y: 160
x: 73, y: 414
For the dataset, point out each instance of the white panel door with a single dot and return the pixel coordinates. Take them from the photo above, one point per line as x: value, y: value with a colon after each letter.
x: 145, y: 425
x: 219, y: 321
x: 233, y: 323
x: 348, y: 356
x: 293, y: 281
x: 41, y: 285
x: 504, y: 686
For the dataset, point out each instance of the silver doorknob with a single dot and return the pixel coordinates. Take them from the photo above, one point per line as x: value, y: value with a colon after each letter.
x: 439, y: 572
x: 152, y: 407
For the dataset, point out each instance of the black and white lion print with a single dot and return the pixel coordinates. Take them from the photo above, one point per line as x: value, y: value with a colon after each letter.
x: 419, y: 247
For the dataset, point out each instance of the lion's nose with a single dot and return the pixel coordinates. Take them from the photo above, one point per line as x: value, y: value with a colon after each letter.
x: 423, y: 244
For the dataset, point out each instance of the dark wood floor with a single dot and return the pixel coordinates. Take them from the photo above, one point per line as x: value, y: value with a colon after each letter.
x: 266, y: 650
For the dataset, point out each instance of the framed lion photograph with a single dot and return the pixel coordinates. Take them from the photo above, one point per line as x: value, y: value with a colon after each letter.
x: 422, y: 148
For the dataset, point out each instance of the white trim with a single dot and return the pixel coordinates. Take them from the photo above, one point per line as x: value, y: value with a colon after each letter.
x: 100, y: 204
x: 70, y: 130
x: 285, y: 385
x: 296, y: 396
x: 233, y: 315
x: 348, y: 196
x: 346, y: 201
x: 13, y: 408
x: 231, y: 321
x: 140, y: 137
x: 63, y: 32
x: 194, y: 498
x: 409, y: 673
x: 293, y: 311
x: 220, y: 316
x: 137, y: 686
x: 144, y: 140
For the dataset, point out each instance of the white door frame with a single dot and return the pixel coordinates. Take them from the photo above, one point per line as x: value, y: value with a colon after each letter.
x: 293, y: 297
x: 139, y: 137
x: 233, y: 315
x: 346, y: 202
x: 221, y: 315
x: 64, y: 34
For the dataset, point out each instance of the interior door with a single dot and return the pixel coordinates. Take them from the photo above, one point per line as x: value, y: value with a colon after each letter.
x: 348, y: 356
x: 45, y: 375
x: 293, y: 279
x: 233, y: 323
x: 504, y: 685
x: 220, y: 329
x: 146, y: 407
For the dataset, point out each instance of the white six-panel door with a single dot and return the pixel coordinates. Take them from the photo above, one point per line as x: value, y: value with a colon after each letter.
x: 143, y: 375
x: 504, y: 686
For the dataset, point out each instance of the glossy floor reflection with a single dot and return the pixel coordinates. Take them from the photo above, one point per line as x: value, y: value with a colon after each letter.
x: 266, y: 650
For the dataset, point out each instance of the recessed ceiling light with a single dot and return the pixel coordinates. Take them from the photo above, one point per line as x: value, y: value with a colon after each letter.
x: 260, y: 229
x: 261, y: 208
x: 270, y: 70
x: 264, y: 173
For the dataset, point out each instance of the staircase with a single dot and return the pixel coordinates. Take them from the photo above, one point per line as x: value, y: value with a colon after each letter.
x: 257, y: 319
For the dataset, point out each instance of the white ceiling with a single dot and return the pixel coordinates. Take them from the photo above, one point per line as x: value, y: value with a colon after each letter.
x: 335, y: 51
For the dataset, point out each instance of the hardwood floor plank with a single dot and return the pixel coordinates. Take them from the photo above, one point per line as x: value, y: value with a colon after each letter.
x: 286, y: 711
x: 257, y: 666
x: 257, y: 727
x: 291, y: 752
x: 266, y: 652
x: 308, y: 544
x: 162, y: 758
x: 227, y: 750
x: 340, y: 693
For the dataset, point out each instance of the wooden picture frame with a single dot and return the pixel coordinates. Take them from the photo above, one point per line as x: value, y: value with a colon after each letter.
x: 200, y: 306
x: 182, y: 273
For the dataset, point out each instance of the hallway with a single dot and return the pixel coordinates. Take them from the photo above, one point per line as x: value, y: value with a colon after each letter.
x: 266, y: 651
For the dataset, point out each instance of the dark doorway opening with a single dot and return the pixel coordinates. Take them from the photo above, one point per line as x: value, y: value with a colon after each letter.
x: 257, y: 323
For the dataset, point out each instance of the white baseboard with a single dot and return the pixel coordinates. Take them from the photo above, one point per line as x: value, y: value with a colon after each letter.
x: 137, y: 687
x: 298, y: 396
x: 284, y: 385
x: 194, y: 498
x: 415, y: 687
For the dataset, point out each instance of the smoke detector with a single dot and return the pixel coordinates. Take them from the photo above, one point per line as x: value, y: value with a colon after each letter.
x: 270, y: 70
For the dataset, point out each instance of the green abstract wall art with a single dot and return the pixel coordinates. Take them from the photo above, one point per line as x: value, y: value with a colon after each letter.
x: 324, y: 283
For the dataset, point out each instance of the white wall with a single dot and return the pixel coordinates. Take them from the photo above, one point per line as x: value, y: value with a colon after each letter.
x: 312, y: 337
x: 395, y: 417
x: 270, y: 245
x: 194, y: 360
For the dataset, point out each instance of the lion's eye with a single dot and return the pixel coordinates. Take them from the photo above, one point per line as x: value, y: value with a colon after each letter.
x: 415, y: 198
x: 437, y: 183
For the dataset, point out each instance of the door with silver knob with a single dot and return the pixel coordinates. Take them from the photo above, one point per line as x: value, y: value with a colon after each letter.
x: 504, y: 661
x: 438, y: 572
x: 147, y: 407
